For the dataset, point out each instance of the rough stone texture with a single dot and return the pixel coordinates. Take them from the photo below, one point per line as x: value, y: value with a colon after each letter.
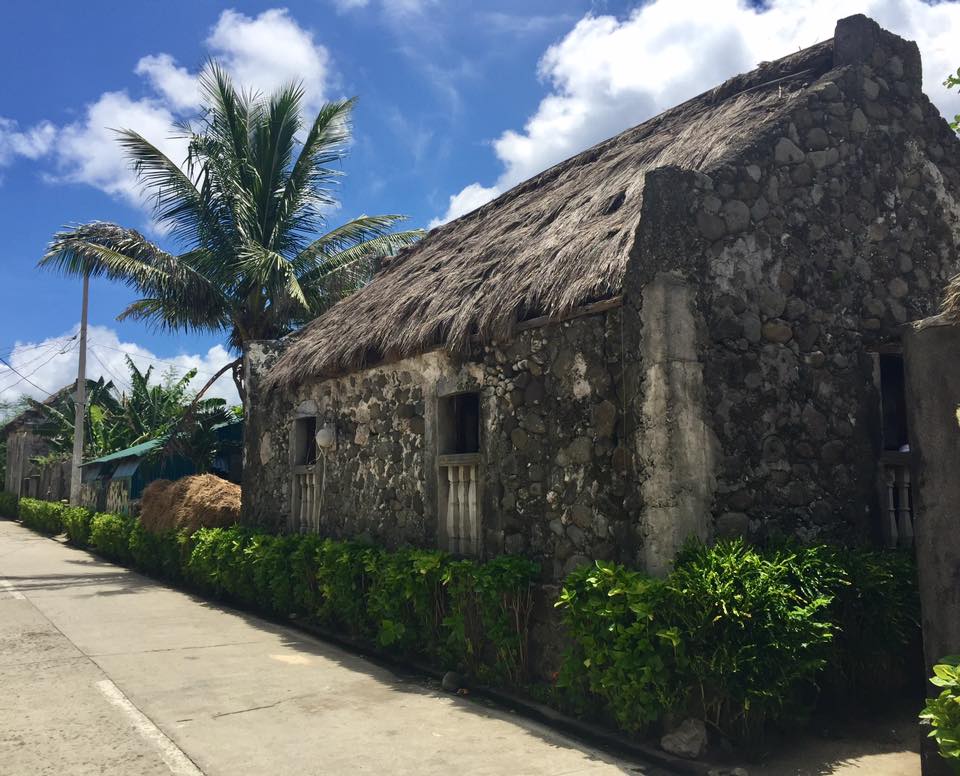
x: 677, y: 447
x: 932, y: 361
x: 845, y: 245
x: 551, y: 441
x: 688, y: 740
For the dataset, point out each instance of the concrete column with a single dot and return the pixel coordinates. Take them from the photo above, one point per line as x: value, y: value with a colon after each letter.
x: 675, y: 445
x: 931, y: 352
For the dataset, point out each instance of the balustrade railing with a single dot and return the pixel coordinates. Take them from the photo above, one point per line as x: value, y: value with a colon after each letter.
x: 898, y: 527
x: 460, y: 475
x: 306, y: 500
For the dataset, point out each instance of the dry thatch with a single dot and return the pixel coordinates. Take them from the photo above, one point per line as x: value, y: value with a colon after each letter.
x: 950, y: 307
x: 555, y: 242
x: 199, y: 501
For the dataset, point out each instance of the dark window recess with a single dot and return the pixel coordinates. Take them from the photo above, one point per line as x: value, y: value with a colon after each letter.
x: 305, y: 441
x: 894, y: 401
x: 460, y: 424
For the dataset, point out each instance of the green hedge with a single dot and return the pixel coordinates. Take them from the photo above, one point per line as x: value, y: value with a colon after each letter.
x: 735, y: 635
x: 943, y: 712
x: 76, y: 524
x: 8, y: 504
x: 110, y: 536
x: 43, y: 516
x: 738, y: 636
x: 411, y: 602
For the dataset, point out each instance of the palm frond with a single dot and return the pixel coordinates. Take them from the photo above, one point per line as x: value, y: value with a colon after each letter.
x: 245, y: 206
x: 178, y: 203
x: 307, y: 191
x: 170, y: 284
x: 324, y: 257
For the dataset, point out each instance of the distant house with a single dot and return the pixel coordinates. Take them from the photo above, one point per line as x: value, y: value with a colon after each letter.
x: 115, y: 482
x: 690, y: 329
x: 24, y: 476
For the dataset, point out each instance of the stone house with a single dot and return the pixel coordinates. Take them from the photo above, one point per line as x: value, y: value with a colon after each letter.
x: 690, y: 329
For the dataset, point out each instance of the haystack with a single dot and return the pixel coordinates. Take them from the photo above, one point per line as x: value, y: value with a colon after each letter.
x: 202, y: 500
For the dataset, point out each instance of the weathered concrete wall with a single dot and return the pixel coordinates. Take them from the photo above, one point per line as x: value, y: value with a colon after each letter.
x: 675, y: 444
x: 819, y: 239
x: 932, y: 359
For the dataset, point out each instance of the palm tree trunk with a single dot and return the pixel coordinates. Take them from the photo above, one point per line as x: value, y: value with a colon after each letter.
x: 220, y: 372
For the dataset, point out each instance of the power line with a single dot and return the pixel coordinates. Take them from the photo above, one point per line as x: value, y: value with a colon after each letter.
x: 109, y: 371
x: 9, y: 351
x: 54, y: 346
x: 26, y: 377
x: 47, y: 393
x: 135, y: 356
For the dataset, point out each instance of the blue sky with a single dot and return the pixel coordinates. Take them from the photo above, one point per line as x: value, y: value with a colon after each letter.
x: 458, y: 101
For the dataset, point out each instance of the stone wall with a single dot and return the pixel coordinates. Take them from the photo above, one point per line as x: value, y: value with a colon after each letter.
x: 819, y: 239
x: 553, y: 464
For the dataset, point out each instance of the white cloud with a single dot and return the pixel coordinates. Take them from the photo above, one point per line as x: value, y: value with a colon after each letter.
x: 393, y: 8
x: 350, y: 5
x: 52, y: 364
x: 262, y: 53
x: 177, y: 85
x: 469, y: 198
x: 270, y: 51
x: 31, y: 143
x: 608, y: 74
x: 88, y: 152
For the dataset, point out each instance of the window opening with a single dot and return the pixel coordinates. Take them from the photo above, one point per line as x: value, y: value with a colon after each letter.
x: 460, y: 424
x: 304, y: 441
x: 894, y: 402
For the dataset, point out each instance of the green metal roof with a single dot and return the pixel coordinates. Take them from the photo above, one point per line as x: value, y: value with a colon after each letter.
x: 145, y: 447
x: 131, y: 452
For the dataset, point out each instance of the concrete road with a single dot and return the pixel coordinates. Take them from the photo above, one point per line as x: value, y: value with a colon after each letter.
x: 103, y: 671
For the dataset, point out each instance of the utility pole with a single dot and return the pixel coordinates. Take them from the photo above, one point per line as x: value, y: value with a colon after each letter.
x: 80, y: 402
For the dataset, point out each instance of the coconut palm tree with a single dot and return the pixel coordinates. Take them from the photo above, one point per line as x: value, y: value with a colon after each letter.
x: 245, y: 210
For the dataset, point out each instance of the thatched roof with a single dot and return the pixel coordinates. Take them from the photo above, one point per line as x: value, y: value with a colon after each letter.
x: 550, y: 244
x: 950, y: 308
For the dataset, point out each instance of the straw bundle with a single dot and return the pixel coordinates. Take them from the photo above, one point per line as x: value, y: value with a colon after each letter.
x: 202, y: 500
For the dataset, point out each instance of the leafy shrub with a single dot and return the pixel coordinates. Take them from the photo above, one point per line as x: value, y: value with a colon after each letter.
x: 43, y: 516
x: 343, y: 582
x: 76, y: 524
x: 160, y: 555
x: 8, y: 504
x: 270, y: 559
x: 305, y: 588
x: 877, y: 611
x: 218, y: 565
x: 406, y: 599
x: 489, y: 615
x: 110, y: 536
x: 943, y: 712
x: 752, y: 630
x: 623, y: 653
x: 737, y: 636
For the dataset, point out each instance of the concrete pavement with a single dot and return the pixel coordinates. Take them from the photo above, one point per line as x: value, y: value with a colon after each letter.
x: 103, y: 671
